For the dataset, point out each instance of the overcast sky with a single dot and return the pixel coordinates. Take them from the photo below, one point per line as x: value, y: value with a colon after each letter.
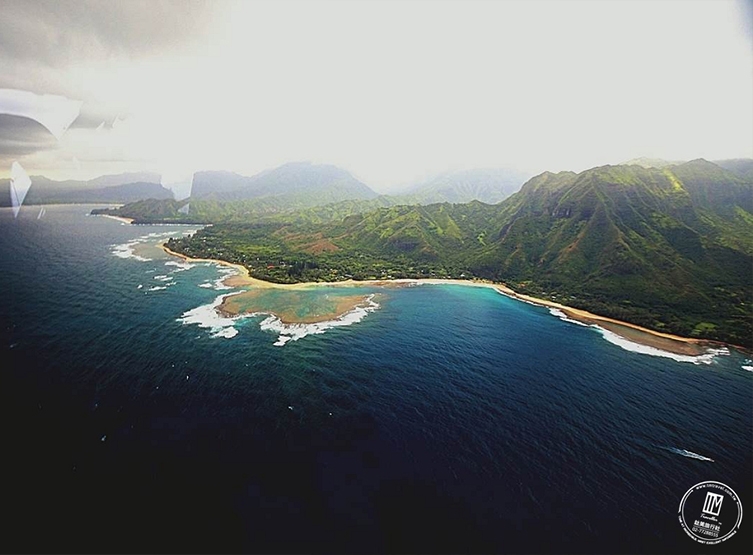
x: 392, y: 91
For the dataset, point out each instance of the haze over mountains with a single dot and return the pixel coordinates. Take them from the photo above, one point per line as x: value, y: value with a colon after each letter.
x: 293, y: 185
x: 328, y: 183
x: 743, y: 167
x: 487, y: 185
x: 125, y: 187
x: 301, y: 185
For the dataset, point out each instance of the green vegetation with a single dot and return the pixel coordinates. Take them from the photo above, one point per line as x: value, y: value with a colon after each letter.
x: 670, y: 249
x: 284, y: 253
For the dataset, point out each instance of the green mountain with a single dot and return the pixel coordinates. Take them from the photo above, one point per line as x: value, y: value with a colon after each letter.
x: 281, y: 209
x: 670, y: 248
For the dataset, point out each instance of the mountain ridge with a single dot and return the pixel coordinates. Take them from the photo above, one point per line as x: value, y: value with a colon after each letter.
x: 489, y: 185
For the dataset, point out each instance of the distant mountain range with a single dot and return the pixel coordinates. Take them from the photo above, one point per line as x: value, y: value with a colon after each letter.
x: 486, y: 185
x: 739, y: 166
x: 318, y: 182
x: 646, y: 162
x: 742, y: 167
x: 120, y: 188
x: 315, y: 192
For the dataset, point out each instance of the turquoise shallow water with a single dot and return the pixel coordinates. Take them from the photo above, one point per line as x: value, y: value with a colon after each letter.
x: 446, y: 419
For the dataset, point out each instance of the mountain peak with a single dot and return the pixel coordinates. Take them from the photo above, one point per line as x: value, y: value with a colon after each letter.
x: 647, y: 162
x: 489, y: 185
x: 330, y: 183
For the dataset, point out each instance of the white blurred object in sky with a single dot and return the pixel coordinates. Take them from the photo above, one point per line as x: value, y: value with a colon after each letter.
x: 19, y: 186
x: 56, y: 113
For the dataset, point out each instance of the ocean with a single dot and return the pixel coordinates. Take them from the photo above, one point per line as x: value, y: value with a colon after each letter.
x: 437, y: 419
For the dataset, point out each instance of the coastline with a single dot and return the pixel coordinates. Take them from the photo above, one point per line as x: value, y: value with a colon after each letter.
x: 632, y: 332
x: 118, y: 218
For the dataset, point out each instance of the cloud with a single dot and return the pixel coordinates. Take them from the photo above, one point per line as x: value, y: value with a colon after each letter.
x: 20, y: 136
x: 56, y: 113
x: 42, y: 43
x: 745, y: 8
x: 55, y: 33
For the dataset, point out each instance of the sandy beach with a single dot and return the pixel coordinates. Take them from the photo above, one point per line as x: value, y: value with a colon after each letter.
x: 632, y: 332
x: 118, y: 218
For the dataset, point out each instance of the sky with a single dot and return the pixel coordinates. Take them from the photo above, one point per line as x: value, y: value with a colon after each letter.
x: 392, y: 91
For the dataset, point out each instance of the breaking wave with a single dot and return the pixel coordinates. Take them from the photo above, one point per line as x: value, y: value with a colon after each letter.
x: 126, y: 251
x: 206, y: 316
x: 294, y: 332
x: 632, y: 346
x: 564, y: 317
x: 179, y: 266
x: 706, y: 358
x: 159, y: 287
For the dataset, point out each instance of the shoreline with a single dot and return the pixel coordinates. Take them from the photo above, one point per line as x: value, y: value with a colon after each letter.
x: 118, y: 218
x: 674, y: 344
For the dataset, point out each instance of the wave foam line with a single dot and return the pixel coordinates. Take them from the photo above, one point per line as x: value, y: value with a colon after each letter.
x: 632, y: 346
x: 294, y: 332
x: 179, y: 266
x: 225, y: 272
x: 689, y: 454
x: 516, y: 298
x: 564, y: 317
x: 159, y: 287
x: 206, y: 316
x: 706, y: 358
x: 126, y: 251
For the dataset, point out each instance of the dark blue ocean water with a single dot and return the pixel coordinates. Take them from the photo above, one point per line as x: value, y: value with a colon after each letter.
x: 450, y: 419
